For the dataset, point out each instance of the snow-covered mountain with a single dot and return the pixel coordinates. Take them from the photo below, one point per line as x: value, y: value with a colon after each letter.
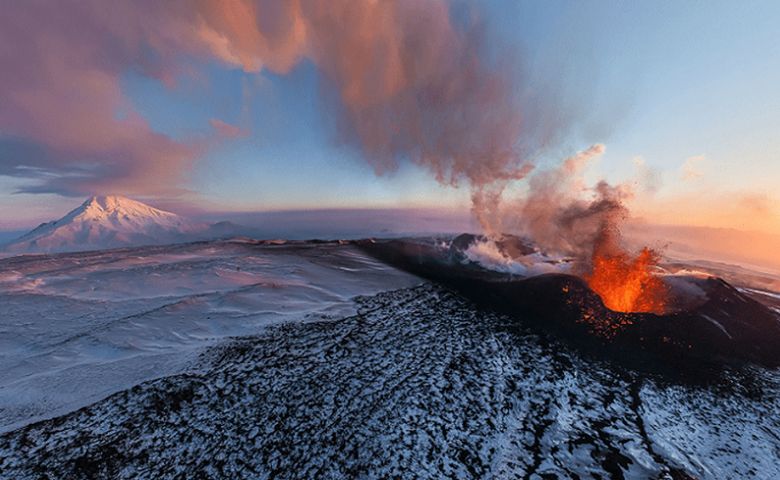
x: 112, y: 221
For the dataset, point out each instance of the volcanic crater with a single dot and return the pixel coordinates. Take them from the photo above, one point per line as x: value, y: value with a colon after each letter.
x: 705, y: 323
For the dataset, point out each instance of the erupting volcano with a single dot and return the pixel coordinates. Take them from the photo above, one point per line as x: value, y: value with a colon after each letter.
x: 620, y: 308
x: 625, y: 282
x: 563, y: 216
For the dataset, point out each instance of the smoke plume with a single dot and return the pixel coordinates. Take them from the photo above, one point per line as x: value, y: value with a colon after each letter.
x: 562, y: 214
x: 413, y: 82
x: 565, y: 216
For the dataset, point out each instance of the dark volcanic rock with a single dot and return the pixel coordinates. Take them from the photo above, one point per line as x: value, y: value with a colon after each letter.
x: 420, y: 384
x: 727, y: 326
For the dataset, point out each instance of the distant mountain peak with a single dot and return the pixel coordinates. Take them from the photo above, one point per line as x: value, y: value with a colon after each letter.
x: 107, y: 206
x: 111, y: 202
x: 111, y: 221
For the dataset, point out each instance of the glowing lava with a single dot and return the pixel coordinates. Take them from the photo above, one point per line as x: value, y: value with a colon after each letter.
x: 626, y: 283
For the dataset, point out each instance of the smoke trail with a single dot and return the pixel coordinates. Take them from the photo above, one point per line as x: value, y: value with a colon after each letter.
x: 561, y: 213
x: 565, y: 216
x: 413, y: 81
x: 413, y: 86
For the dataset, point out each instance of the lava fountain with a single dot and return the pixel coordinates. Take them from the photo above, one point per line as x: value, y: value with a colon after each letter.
x: 626, y: 282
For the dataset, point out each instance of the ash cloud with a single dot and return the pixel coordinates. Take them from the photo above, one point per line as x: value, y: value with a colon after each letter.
x: 61, y: 64
x: 564, y: 215
x: 412, y: 83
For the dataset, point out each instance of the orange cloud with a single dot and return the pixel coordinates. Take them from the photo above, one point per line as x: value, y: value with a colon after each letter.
x: 408, y: 84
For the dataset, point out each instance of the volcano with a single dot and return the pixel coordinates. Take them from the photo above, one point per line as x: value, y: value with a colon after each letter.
x: 254, y: 359
x: 113, y: 221
x: 708, y: 322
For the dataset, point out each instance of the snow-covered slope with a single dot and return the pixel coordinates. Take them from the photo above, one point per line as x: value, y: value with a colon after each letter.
x: 252, y: 360
x: 109, y: 222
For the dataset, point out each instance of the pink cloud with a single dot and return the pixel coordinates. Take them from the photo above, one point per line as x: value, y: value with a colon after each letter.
x: 60, y: 72
x: 227, y: 130
x: 409, y: 85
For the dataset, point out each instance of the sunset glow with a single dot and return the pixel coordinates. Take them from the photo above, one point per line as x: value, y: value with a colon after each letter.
x: 413, y: 239
x: 206, y: 109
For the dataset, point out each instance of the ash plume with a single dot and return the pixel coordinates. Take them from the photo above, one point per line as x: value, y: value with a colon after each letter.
x: 414, y: 86
x: 562, y: 214
x: 413, y: 81
x: 411, y: 84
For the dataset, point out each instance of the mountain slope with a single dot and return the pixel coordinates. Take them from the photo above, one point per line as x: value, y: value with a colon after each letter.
x: 419, y: 384
x: 109, y: 222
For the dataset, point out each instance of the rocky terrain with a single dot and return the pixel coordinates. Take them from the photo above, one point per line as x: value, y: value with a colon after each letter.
x: 418, y: 384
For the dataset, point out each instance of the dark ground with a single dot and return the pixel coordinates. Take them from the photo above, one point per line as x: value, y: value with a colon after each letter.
x: 420, y: 384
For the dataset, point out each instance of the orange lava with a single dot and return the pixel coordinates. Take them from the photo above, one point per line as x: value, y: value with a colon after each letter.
x: 626, y: 283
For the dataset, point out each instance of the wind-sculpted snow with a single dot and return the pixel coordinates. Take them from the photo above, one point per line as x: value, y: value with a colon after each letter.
x: 75, y: 328
x: 418, y: 384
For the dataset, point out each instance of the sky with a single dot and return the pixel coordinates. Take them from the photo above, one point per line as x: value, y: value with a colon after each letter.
x: 255, y: 106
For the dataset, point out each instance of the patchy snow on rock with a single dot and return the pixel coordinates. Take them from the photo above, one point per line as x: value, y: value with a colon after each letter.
x: 754, y: 291
x: 250, y: 360
x: 417, y: 384
x: 75, y: 327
